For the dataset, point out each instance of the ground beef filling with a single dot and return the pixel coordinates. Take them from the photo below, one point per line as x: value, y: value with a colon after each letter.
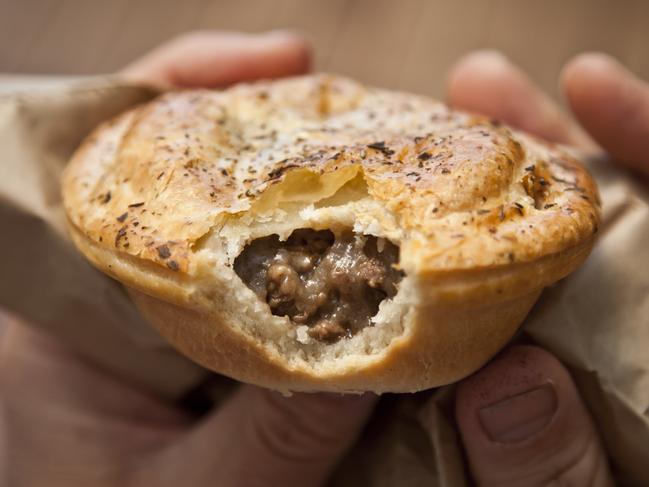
x: 332, y: 283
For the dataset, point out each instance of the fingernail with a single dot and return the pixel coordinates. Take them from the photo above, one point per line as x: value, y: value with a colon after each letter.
x: 488, y: 57
x: 281, y: 34
x: 519, y: 417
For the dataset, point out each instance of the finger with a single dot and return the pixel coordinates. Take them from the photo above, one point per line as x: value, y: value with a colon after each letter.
x: 612, y: 104
x: 523, y: 423
x: 486, y: 82
x: 260, y: 437
x: 214, y: 59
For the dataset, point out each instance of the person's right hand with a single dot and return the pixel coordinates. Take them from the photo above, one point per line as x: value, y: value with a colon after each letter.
x: 521, y: 419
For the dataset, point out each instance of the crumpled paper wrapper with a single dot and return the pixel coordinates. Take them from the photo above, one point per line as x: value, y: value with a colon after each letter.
x: 596, y: 321
x: 45, y: 280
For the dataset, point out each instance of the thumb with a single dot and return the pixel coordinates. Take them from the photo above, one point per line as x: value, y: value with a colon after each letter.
x: 259, y: 437
x: 523, y: 423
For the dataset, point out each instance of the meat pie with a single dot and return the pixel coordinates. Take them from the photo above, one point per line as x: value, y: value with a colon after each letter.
x: 316, y: 234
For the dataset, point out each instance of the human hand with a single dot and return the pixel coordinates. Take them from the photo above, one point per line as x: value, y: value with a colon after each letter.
x: 72, y: 424
x: 521, y: 418
x: 67, y: 423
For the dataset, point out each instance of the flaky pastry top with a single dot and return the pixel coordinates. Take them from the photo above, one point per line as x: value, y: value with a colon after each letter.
x: 455, y: 190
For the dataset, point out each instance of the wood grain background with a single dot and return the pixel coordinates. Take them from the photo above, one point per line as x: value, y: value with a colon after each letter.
x: 407, y: 44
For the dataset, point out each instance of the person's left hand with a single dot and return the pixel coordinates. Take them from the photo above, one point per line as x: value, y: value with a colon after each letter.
x: 68, y: 423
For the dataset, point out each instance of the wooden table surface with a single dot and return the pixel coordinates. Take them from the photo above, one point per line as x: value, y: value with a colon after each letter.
x: 406, y: 44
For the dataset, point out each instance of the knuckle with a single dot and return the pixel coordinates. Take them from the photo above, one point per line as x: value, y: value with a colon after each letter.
x: 290, y: 433
x: 585, y: 467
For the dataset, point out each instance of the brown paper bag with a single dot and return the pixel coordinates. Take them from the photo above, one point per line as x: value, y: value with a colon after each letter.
x: 596, y: 321
x: 44, y: 278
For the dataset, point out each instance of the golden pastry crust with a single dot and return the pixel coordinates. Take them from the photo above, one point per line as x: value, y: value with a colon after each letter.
x: 482, y: 214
